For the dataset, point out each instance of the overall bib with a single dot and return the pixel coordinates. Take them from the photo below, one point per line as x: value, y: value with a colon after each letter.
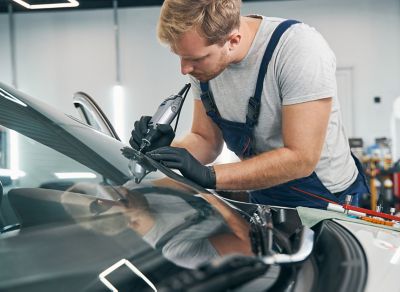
x: 308, y: 191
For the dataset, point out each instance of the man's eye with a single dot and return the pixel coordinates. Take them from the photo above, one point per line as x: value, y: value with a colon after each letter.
x: 199, y: 59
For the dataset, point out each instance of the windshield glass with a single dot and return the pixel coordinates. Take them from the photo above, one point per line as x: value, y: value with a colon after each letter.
x: 40, y: 166
x: 69, y: 197
x: 34, y: 165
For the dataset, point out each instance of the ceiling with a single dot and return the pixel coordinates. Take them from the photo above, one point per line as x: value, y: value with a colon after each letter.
x: 86, y: 4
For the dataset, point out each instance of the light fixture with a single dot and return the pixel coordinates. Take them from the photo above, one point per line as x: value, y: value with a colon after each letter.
x: 12, y: 173
x: 14, y: 151
x: 119, y: 108
x: 69, y: 3
x: 71, y: 175
x: 118, y: 90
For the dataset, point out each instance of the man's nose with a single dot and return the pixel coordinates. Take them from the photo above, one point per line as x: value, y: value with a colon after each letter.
x: 186, y: 67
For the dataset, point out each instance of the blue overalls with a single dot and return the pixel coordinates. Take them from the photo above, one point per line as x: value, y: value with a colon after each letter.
x: 308, y: 191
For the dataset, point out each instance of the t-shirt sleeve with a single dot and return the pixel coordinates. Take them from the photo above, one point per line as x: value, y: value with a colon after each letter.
x: 305, y: 66
x: 196, y: 90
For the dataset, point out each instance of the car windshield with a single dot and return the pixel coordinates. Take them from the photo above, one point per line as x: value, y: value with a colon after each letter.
x: 68, y: 186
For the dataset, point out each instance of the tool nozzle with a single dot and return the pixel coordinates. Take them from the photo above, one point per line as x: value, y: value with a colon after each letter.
x: 184, y: 89
x: 145, y: 144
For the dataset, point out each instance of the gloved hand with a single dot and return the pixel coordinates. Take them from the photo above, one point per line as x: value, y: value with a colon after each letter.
x: 165, y: 136
x: 190, y: 167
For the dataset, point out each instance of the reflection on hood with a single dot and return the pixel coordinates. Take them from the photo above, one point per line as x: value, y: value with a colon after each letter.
x: 181, y: 232
x: 169, y: 212
x: 180, y: 225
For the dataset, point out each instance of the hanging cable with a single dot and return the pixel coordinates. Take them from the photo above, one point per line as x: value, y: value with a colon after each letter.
x: 180, y: 108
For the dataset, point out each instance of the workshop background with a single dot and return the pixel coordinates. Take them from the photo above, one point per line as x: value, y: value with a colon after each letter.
x: 113, y: 55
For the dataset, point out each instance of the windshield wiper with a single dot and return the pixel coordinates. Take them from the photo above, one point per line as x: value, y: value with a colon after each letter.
x: 140, y: 159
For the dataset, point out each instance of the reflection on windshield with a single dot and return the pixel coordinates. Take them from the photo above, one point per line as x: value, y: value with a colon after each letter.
x: 70, y: 215
x: 187, y: 229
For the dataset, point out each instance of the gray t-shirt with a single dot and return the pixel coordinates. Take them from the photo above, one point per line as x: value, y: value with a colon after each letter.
x: 302, y: 69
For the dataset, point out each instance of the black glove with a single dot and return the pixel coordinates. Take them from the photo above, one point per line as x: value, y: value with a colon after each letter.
x: 190, y: 167
x: 165, y: 134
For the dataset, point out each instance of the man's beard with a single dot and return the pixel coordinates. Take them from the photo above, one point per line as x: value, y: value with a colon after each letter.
x: 207, y: 76
x: 204, y: 77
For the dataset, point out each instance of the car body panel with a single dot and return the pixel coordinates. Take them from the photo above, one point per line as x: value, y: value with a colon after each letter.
x: 382, y: 249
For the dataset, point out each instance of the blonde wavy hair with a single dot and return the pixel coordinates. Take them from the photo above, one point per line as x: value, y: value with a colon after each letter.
x: 213, y: 19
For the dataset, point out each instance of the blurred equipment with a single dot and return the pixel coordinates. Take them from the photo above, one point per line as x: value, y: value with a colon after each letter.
x: 356, y: 146
x: 396, y: 189
x: 383, y: 176
x: 387, y: 199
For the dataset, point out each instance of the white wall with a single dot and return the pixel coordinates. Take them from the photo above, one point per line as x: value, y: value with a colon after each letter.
x: 365, y: 35
x: 149, y: 71
x: 59, y: 53
x: 5, y: 60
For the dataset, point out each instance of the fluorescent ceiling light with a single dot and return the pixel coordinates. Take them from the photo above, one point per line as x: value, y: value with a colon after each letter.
x: 12, y: 173
x: 119, y: 108
x: 14, y: 152
x: 69, y: 3
x: 70, y: 175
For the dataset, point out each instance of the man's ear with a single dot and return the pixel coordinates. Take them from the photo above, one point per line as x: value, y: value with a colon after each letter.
x: 234, y: 39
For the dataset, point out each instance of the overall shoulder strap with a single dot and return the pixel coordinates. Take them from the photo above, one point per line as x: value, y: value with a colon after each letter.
x: 208, y: 99
x: 253, y: 110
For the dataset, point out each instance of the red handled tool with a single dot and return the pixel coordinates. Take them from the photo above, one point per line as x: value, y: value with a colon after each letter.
x: 371, y: 212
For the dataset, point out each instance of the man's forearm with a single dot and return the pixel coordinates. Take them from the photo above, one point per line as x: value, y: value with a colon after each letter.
x: 263, y: 171
x: 200, y: 148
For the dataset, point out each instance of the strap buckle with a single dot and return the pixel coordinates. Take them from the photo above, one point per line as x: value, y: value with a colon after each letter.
x: 253, y: 111
x: 208, y: 101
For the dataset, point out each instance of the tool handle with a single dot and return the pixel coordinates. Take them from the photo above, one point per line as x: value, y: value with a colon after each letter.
x: 169, y: 108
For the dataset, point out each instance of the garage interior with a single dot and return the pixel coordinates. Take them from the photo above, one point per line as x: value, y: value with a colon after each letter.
x: 109, y: 50
x: 77, y: 215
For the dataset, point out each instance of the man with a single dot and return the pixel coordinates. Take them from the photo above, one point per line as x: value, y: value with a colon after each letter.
x: 267, y: 88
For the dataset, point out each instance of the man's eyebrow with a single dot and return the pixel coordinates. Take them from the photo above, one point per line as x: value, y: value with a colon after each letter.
x: 194, y: 58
